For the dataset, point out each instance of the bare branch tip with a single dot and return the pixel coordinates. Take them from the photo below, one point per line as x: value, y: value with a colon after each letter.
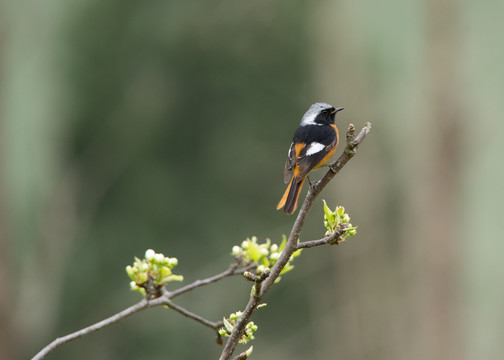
x: 249, y: 276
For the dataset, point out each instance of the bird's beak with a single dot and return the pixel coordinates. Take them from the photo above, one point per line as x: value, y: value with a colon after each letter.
x: 336, y: 110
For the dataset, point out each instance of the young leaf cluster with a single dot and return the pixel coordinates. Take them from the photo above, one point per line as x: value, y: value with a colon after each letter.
x: 231, y: 322
x: 264, y: 255
x: 336, y: 220
x: 150, y: 274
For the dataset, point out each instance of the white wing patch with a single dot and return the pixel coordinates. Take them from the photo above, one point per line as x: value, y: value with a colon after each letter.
x: 314, y: 148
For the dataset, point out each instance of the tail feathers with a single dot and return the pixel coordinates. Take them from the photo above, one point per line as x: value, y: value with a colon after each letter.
x: 282, y: 201
x: 291, y: 196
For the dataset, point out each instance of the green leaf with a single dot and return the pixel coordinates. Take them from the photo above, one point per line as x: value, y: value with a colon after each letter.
x: 265, y: 261
x: 282, y: 244
x: 228, y: 325
x: 254, y: 251
x: 328, y: 213
x: 286, y: 269
x: 173, y: 278
x: 296, y: 253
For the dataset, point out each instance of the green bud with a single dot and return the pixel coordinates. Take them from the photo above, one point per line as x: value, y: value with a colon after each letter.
x: 352, y: 232
x: 142, y: 267
x: 236, y: 315
x: 261, y: 269
x: 149, y: 254
x: 130, y: 271
x: 165, y: 271
x: 340, y: 210
x: 141, y: 278
x: 236, y: 250
x: 249, y: 351
x: 141, y: 290
x: 133, y: 286
x: 173, y: 262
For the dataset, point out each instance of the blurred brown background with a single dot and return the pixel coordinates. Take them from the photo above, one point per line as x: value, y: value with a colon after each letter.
x: 128, y: 125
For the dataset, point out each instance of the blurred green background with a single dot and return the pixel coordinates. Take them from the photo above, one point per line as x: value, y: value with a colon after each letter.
x: 128, y: 125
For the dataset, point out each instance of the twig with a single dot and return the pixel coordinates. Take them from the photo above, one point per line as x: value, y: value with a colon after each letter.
x: 257, y: 279
x: 352, y: 143
x: 332, y: 239
x: 241, y: 356
x: 232, y: 270
x: 201, y: 320
x: 292, y: 242
x: 164, y: 299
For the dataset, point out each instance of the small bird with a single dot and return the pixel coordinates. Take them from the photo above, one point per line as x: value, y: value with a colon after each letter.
x: 313, y: 146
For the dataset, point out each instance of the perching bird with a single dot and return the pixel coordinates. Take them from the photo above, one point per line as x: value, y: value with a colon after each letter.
x: 313, y: 146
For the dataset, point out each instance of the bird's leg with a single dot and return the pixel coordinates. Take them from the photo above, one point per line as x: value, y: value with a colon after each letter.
x: 309, y: 181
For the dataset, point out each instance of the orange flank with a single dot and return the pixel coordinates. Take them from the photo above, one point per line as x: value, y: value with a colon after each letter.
x: 298, y: 147
x: 326, y: 158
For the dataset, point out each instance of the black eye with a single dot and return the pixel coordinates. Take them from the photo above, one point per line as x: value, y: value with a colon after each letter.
x: 325, y: 111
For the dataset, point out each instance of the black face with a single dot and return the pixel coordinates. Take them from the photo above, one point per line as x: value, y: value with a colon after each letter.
x: 326, y: 116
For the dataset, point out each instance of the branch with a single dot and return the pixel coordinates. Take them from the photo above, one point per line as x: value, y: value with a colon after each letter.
x: 263, y: 284
x: 292, y: 242
x: 144, y: 304
x: 164, y: 299
x: 352, y: 143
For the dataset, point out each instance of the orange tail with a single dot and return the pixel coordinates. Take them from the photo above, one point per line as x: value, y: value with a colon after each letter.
x: 290, y: 198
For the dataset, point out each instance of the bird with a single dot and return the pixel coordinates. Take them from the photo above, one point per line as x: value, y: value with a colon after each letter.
x: 313, y: 145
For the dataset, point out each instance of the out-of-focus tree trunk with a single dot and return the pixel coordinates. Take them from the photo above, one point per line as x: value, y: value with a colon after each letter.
x: 37, y: 200
x: 443, y: 147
